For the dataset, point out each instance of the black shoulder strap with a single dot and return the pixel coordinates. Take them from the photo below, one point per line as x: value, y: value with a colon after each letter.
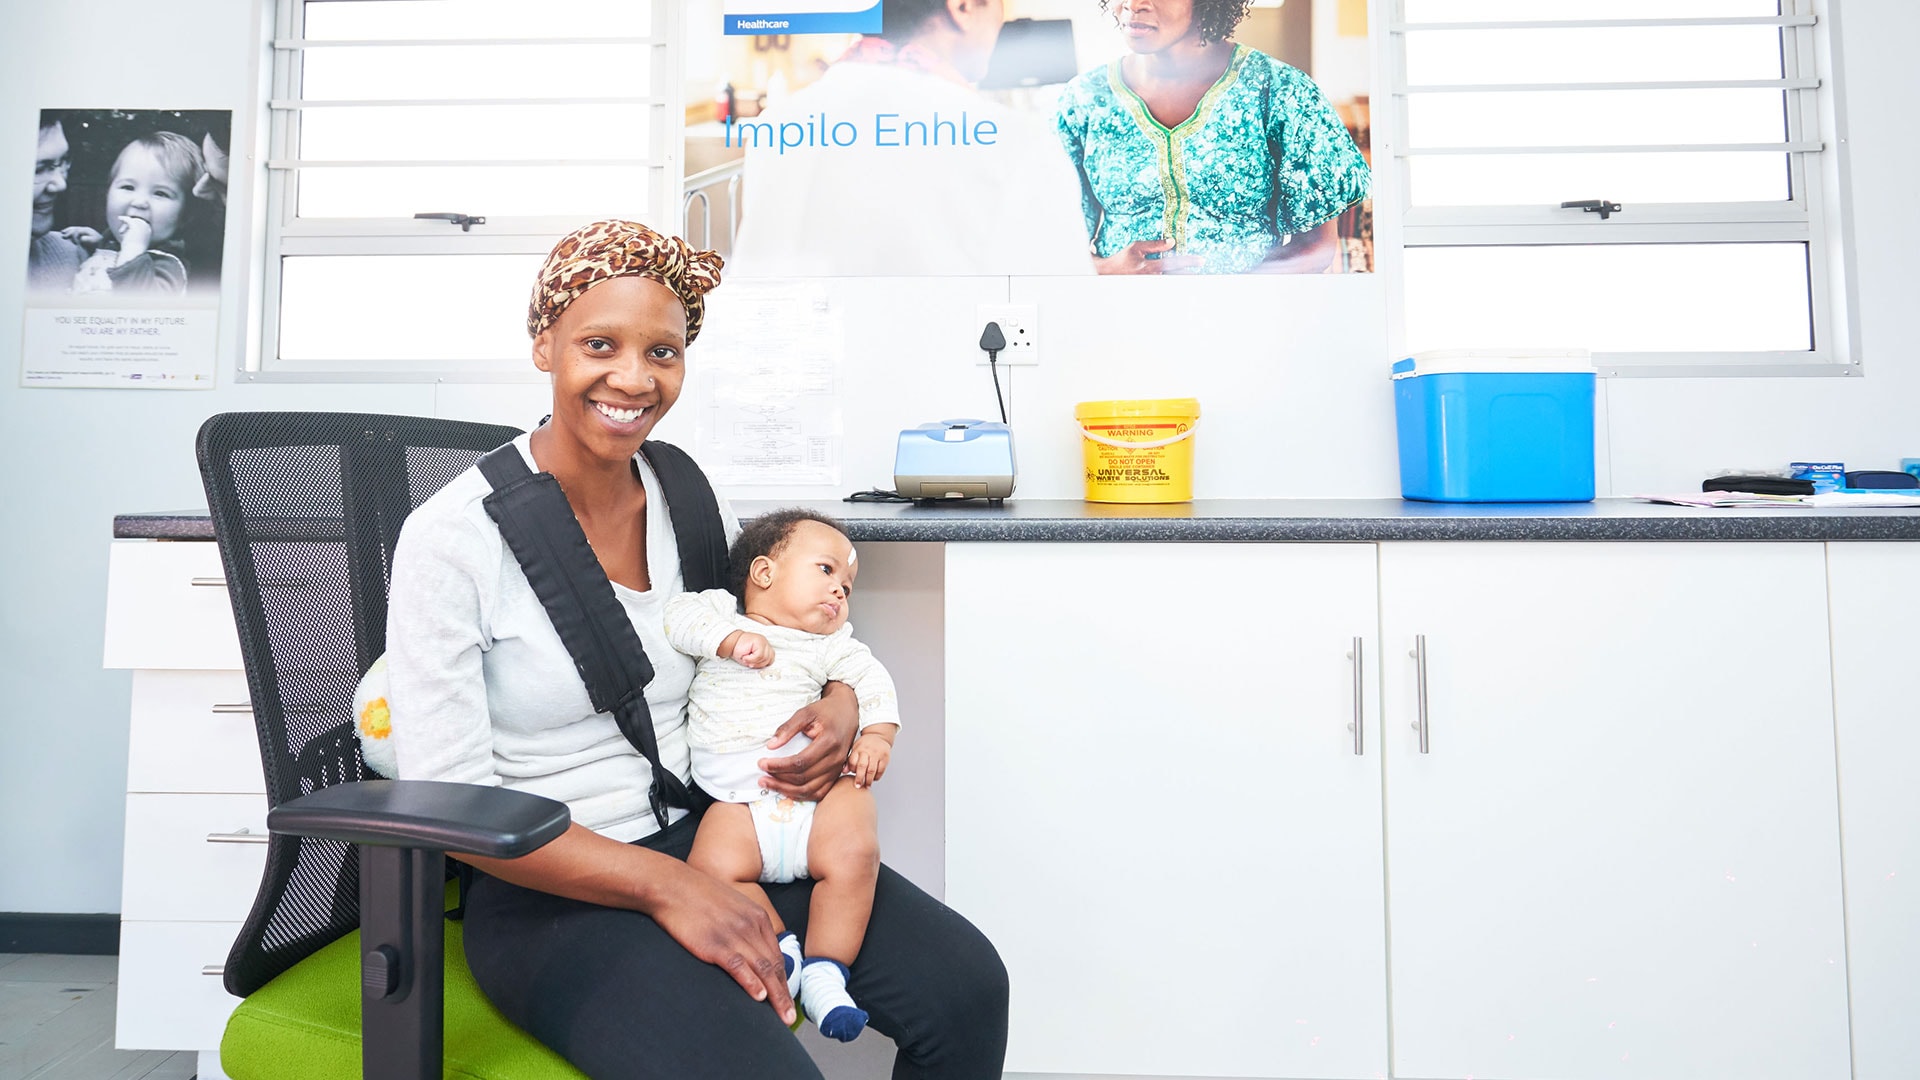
x: 697, y: 529
x: 546, y: 538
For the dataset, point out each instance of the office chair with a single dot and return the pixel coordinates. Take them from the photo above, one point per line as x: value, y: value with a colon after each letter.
x: 341, y: 961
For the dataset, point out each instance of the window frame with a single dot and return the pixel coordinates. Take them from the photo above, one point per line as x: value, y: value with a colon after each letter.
x: 1816, y: 214
x: 284, y: 234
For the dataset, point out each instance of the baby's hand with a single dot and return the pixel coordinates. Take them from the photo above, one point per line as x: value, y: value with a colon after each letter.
x: 753, y: 650
x: 868, y: 761
x: 80, y: 234
x: 135, y: 234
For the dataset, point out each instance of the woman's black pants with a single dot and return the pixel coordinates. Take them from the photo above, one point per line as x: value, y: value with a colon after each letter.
x: 613, y: 994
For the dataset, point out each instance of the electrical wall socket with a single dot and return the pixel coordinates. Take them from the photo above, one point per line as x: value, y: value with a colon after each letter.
x: 1021, y: 325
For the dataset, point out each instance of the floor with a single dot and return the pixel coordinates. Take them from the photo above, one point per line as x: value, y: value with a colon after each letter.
x: 56, y: 1023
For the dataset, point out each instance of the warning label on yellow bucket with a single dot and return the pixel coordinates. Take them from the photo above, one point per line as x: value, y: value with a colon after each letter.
x: 1138, y: 451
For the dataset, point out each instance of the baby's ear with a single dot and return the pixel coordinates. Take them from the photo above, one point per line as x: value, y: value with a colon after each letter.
x: 761, y: 572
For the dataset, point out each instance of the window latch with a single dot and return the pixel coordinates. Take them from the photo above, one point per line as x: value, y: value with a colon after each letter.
x: 1594, y: 206
x: 468, y: 221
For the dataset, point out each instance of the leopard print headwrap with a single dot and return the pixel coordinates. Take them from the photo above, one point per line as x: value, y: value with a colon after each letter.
x: 609, y: 249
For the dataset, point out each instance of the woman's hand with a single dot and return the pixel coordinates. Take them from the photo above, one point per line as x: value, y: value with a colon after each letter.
x: 831, y: 723
x: 1139, y: 258
x: 708, y: 919
x: 727, y: 930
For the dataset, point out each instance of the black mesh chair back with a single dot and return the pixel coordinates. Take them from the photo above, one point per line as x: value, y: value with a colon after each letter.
x: 306, y: 508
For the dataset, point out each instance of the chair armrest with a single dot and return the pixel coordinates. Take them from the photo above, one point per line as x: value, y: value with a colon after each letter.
x: 464, y: 819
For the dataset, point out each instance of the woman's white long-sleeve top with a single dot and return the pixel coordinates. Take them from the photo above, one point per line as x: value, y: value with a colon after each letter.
x: 480, y: 686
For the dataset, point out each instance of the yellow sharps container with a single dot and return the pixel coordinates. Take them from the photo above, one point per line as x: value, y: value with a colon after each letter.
x: 1139, y: 451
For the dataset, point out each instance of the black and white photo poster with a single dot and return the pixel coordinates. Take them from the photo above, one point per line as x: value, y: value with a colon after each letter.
x: 123, y: 260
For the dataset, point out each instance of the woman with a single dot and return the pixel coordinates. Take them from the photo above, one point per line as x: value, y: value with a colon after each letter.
x: 604, y: 944
x: 1197, y: 154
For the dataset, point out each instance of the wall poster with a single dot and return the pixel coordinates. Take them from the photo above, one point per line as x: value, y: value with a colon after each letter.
x: 1030, y: 137
x: 123, y: 260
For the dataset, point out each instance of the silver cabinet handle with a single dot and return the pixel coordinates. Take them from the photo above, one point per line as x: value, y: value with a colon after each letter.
x: 210, y: 582
x: 237, y: 709
x: 1359, y: 724
x: 1419, y: 655
x: 214, y: 969
x: 238, y: 836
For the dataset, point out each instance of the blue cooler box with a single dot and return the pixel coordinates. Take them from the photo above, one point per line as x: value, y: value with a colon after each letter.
x: 1495, y: 426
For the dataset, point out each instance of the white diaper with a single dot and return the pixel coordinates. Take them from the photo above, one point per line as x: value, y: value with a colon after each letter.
x: 782, y: 826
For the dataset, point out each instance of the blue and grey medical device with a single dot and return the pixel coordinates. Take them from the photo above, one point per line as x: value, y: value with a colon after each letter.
x: 955, y: 459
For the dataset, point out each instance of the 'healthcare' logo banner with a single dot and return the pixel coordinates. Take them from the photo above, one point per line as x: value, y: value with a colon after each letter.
x: 802, y: 16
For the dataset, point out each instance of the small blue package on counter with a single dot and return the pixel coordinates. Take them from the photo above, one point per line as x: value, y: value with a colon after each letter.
x: 1826, y: 475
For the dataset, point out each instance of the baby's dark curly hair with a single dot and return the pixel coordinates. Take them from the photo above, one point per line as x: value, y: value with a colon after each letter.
x: 1214, y: 20
x: 766, y: 535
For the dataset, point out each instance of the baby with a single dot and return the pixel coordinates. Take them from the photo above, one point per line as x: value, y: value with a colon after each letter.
x: 767, y: 648
x: 147, y: 195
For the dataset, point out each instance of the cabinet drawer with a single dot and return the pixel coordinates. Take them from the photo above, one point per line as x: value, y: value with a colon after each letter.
x: 173, y: 872
x: 166, y: 1001
x: 167, y: 607
x: 192, y: 731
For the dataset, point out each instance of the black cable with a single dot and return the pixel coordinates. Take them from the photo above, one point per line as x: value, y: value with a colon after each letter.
x: 993, y: 339
x: 876, y: 495
x: 995, y: 368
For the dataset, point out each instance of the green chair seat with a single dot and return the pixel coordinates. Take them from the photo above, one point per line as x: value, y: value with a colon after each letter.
x: 306, y: 1023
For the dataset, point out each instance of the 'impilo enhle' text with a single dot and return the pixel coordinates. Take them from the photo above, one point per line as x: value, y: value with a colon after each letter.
x: 888, y: 131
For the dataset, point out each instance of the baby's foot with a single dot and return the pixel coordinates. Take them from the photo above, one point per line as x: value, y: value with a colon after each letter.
x: 823, y: 993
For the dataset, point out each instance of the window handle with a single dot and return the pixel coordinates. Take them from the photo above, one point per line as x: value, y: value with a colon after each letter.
x: 468, y: 221
x: 1592, y: 206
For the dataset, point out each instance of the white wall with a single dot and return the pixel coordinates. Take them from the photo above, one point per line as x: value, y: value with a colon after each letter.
x: 1291, y: 375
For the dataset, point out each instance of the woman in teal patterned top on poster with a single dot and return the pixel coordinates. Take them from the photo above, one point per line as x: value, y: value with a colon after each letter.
x: 1200, y: 155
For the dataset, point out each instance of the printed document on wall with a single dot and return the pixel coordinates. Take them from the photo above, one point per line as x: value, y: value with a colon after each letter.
x: 768, y: 366
x: 124, y: 257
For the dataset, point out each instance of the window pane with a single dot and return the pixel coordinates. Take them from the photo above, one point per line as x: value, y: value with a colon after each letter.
x: 1551, y: 179
x: 1604, y: 54
x: 1541, y: 10
x: 361, y: 19
x: 518, y: 191
x: 1597, y: 117
x: 475, y: 71
x: 459, y: 308
x: 479, y: 132
x: 1616, y: 298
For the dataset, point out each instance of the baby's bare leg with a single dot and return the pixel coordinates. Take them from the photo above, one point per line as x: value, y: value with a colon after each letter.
x: 725, y: 849
x: 843, y: 858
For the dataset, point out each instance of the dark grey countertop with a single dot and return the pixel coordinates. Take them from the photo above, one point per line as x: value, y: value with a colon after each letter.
x: 1278, y: 521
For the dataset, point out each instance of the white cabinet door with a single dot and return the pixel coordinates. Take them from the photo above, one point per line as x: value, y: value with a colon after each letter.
x: 1876, y: 635
x: 171, y: 996
x: 1620, y: 856
x: 167, y: 607
x: 193, y: 858
x: 1154, y: 808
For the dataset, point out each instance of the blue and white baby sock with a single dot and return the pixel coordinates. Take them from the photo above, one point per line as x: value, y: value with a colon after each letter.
x: 790, y: 952
x: 823, y: 993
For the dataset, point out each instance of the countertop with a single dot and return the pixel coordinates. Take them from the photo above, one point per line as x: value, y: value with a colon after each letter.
x: 1277, y: 521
